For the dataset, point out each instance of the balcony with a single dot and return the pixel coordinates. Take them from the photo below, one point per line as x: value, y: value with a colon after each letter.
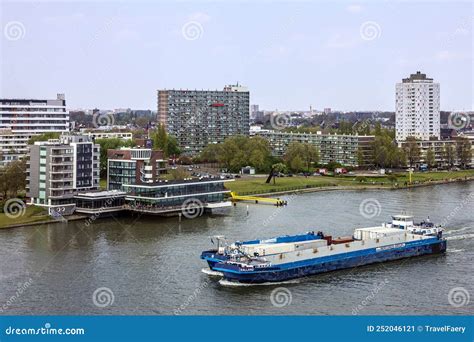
x: 61, y: 169
x: 61, y: 180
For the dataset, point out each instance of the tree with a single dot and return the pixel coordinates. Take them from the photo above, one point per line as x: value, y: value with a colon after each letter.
x: 13, y: 178
x: 239, y: 151
x: 142, y: 122
x: 299, y: 156
x: 378, y: 129
x: 449, y: 155
x: 464, y: 152
x: 345, y: 127
x: 412, y: 151
x: 167, y: 143
x: 278, y: 168
x: 430, y: 158
x: 177, y: 174
x: 159, y: 137
x: 310, y: 155
x: 172, y: 147
x: 210, y: 153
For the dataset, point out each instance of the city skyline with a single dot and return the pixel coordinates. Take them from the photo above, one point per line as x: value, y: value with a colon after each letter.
x: 346, y: 56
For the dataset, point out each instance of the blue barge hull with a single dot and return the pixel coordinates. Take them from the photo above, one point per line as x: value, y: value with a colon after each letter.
x: 276, y: 274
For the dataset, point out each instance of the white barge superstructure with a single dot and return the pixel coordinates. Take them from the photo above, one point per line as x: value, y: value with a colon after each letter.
x: 289, y: 257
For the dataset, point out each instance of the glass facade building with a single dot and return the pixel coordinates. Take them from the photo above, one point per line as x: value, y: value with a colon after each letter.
x: 164, y: 194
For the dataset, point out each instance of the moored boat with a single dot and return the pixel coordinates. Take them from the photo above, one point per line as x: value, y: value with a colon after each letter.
x: 290, y: 257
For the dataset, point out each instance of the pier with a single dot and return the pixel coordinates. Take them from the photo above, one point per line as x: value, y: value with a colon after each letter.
x: 275, y: 201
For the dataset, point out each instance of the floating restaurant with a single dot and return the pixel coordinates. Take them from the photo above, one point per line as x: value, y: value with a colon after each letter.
x: 159, y: 198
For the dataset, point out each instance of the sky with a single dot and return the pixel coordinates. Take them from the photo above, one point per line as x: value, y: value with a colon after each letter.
x: 290, y: 54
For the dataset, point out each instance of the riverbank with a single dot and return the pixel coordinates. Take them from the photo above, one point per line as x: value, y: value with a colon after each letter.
x: 33, y: 216
x: 257, y: 185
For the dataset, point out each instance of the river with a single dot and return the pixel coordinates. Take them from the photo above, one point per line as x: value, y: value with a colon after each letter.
x: 151, y: 265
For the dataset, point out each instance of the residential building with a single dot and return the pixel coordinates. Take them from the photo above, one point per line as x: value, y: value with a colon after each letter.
x: 417, y: 108
x: 439, y: 149
x: 134, y: 166
x: 109, y: 135
x: 348, y: 150
x: 259, y: 116
x: 201, y: 117
x: 20, y: 119
x: 60, y: 168
x: 254, y: 108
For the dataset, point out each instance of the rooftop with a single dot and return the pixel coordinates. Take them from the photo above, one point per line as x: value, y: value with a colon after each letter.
x: 101, y: 193
x: 178, y: 182
x: 417, y: 77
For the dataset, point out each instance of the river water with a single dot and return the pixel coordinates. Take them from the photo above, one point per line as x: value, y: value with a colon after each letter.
x: 150, y: 265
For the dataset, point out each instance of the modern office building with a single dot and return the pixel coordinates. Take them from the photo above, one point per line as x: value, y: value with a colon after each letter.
x: 20, y: 119
x: 417, y: 108
x: 340, y: 148
x: 134, y: 166
x: 201, y: 117
x: 60, y: 168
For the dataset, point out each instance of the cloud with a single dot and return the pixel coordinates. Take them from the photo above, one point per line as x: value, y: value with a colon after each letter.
x: 354, y: 8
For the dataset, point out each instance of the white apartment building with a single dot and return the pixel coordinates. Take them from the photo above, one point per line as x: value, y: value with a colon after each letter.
x: 60, y: 168
x: 417, y: 108
x: 20, y: 119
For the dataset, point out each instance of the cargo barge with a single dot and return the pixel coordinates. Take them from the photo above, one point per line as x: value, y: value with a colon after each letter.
x: 289, y: 257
